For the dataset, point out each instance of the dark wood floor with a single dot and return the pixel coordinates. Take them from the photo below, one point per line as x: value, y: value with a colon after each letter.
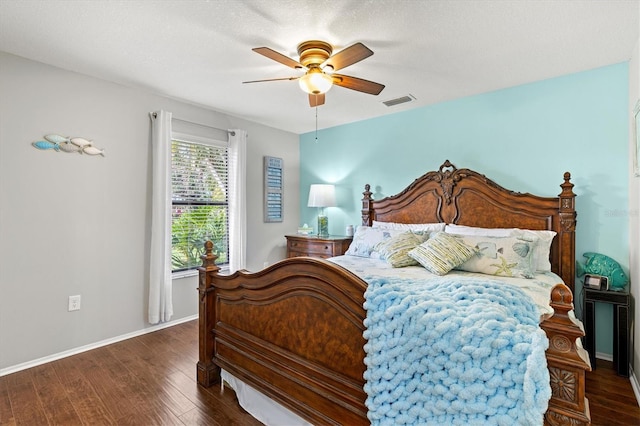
x: 150, y: 380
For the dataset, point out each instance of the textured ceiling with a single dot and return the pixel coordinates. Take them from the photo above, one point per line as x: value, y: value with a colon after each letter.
x: 200, y: 51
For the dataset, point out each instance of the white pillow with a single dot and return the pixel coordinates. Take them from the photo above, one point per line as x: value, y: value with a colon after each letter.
x: 367, y: 238
x: 541, y: 253
x: 416, y: 227
x: 479, y: 232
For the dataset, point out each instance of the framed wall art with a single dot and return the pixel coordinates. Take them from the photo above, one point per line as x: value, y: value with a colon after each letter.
x: 273, y: 189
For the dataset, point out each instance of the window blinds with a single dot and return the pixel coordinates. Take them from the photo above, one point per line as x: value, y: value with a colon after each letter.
x: 199, y: 180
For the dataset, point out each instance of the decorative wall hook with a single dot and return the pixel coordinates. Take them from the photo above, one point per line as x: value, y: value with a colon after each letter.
x: 60, y: 143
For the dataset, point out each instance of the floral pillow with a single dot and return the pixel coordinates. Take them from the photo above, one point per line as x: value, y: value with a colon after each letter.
x: 367, y: 238
x: 503, y: 256
x: 395, y: 250
x: 543, y: 246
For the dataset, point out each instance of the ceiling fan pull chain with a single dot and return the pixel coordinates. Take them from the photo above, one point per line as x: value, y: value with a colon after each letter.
x: 316, y: 123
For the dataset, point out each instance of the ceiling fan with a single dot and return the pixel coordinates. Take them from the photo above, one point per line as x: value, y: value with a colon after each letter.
x: 320, y: 67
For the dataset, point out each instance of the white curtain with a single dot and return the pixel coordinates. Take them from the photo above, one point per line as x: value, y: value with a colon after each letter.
x: 237, y: 199
x: 160, y: 303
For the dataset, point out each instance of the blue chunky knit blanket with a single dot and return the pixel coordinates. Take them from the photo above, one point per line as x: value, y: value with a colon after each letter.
x: 455, y: 351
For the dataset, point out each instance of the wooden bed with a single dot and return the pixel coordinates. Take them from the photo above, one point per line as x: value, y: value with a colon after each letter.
x: 293, y: 331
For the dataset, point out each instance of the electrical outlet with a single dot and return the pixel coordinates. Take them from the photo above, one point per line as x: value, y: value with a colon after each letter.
x: 74, y: 303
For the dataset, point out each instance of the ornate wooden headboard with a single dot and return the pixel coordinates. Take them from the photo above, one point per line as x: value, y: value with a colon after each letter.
x: 465, y: 197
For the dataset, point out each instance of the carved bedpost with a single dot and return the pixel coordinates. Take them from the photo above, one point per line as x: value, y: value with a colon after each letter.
x: 567, y: 363
x: 567, y: 235
x: 367, y: 208
x: 208, y: 373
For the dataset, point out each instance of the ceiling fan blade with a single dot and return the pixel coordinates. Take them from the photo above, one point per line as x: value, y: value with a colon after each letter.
x: 316, y: 100
x: 271, y: 79
x: 278, y: 57
x: 359, y: 84
x: 348, y: 56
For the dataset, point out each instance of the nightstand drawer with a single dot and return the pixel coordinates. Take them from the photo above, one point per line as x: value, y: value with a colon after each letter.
x: 331, y: 246
x: 312, y: 248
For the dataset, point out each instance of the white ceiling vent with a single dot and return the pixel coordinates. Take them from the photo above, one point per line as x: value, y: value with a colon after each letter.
x: 400, y: 100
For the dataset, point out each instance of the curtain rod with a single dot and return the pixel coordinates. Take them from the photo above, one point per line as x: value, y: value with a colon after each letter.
x: 231, y: 132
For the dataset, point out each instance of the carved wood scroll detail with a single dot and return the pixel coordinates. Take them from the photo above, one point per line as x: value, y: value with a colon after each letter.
x: 563, y: 384
x: 556, y: 419
x: 447, y: 180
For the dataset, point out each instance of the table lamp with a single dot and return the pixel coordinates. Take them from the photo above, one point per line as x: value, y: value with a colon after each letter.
x: 321, y: 196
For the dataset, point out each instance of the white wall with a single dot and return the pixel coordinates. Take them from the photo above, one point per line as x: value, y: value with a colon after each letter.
x: 634, y: 212
x: 74, y: 224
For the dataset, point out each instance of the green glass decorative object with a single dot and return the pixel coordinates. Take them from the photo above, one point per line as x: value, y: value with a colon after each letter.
x: 599, y: 264
x: 323, y: 226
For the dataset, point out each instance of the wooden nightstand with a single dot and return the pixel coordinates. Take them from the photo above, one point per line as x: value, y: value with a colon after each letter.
x: 304, y: 245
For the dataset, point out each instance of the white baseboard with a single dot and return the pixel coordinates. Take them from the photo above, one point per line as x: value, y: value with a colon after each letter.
x: 604, y: 356
x: 74, y: 351
x: 634, y: 384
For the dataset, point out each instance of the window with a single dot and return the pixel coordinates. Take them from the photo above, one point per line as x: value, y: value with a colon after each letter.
x: 199, y: 195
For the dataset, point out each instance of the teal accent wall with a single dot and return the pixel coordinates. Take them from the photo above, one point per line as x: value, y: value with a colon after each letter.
x: 523, y: 137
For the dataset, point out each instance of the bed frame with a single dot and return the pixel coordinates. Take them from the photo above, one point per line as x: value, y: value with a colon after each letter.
x: 294, y: 330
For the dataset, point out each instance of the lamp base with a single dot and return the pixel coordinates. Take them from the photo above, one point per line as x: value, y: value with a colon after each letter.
x: 323, y: 226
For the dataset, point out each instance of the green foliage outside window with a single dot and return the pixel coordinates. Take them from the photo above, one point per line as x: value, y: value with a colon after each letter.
x: 199, y: 203
x: 191, y: 227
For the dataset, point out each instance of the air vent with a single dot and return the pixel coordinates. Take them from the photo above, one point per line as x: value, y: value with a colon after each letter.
x: 400, y: 100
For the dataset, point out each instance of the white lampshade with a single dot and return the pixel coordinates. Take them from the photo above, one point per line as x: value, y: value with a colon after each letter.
x: 322, y: 195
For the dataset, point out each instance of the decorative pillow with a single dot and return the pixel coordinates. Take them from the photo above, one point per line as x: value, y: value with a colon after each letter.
x: 441, y: 253
x: 429, y: 227
x: 542, y: 250
x: 395, y: 249
x: 504, y: 256
x: 367, y: 238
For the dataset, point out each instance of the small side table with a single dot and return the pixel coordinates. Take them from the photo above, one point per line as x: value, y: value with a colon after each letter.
x: 620, y: 301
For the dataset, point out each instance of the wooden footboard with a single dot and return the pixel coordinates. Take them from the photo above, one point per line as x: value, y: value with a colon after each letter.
x: 294, y: 332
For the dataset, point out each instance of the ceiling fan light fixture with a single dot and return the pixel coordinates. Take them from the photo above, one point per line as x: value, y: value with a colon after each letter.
x: 315, y: 82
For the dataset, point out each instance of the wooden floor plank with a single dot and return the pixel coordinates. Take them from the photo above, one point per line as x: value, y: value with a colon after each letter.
x: 87, y: 403
x: 150, y: 384
x: 6, y: 413
x: 106, y: 385
x: 25, y: 404
x: 611, y: 397
x: 53, y: 395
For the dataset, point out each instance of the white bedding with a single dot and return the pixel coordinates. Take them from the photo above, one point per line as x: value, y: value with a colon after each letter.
x: 538, y: 288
